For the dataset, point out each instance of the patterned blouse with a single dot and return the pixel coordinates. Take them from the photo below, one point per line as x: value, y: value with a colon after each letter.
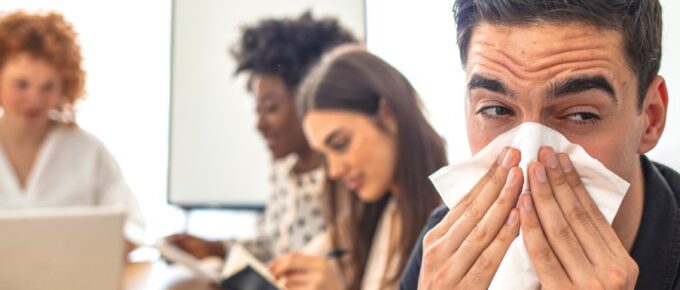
x: 293, y: 213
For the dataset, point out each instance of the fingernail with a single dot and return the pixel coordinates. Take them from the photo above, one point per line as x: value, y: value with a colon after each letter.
x: 511, y: 178
x: 539, y: 172
x: 527, y: 203
x: 550, y: 159
x: 512, y: 217
x: 501, y: 156
x: 509, y: 159
x: 565, y: 163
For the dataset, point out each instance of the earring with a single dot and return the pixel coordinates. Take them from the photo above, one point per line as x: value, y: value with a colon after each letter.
x: 63, y: 113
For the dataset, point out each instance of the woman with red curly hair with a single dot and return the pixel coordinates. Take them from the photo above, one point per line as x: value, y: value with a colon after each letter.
x: 46, y: 160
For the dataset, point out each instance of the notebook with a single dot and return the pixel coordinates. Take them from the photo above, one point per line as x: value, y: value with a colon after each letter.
x: 242, y: 271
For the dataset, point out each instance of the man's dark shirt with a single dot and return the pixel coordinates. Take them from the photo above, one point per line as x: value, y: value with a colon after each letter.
x: 657, y: 245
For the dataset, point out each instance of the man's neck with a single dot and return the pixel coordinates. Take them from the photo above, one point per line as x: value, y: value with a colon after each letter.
x: 627, y: 221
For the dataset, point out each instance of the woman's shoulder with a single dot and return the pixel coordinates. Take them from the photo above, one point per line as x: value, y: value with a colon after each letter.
x: 75, y: 138
x: 284, y: 164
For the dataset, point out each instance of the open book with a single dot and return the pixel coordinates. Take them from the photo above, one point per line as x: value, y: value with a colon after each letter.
x: 242, y: 271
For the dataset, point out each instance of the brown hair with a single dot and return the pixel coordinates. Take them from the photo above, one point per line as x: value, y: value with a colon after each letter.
x: 49, y: 37
x: 639, y: 21
x: 350, y: 78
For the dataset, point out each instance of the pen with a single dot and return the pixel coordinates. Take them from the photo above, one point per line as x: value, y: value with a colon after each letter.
x: 336, y: 253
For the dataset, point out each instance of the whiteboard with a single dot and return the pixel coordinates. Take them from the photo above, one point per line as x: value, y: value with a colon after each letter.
x: 216, y: 156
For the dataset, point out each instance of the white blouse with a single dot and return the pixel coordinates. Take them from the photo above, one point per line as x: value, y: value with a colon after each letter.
x: 72, y: 168
x: 383, y: 259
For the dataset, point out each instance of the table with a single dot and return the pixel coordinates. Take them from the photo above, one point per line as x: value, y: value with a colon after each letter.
x: 158, y: 275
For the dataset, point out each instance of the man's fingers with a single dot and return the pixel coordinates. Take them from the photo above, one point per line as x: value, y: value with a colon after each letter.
x: 559, y: 234
x: 599, y: 221
x: 576, y: 215
x: 545, y: 261
x: 479, y: 206
x: 486, y: 265
x: 443, y: 226
x: 495, y: 220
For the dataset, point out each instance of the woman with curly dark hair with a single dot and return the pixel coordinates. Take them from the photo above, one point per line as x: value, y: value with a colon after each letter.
x: 276, y: 54
x: 46, y: 160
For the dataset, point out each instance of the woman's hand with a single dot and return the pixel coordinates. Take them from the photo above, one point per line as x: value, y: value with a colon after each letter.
x: 197, y: 247
x: 298, y: 271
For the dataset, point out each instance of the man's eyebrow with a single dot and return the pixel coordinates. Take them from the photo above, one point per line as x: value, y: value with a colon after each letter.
x: 493, y: 85
x: 581, y: 84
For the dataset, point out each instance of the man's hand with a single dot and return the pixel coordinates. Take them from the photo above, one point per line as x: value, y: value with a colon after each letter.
x: 297, y: 271
x: 466, y: 248
x: 570, y: 242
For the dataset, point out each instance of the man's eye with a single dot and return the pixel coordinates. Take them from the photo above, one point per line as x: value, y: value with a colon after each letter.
x: 583, y: 118
x: 494, y: 111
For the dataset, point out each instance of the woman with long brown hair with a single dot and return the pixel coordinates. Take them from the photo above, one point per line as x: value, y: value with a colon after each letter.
x: 366, y: 119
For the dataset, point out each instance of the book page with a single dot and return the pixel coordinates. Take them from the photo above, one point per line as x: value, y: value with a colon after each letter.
x: 239, y: 258
x: 177, y: 255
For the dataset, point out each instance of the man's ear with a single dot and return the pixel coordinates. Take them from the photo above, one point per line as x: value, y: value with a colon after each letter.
x: 654, y: 110
x: 386, y: 118
x: 1, y: 72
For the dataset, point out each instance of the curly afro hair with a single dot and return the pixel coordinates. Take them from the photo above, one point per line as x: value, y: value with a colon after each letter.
x: 49, y: 37
x: 287, y: 47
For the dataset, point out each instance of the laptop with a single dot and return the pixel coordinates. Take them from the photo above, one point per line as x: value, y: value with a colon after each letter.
x: 61, y: 248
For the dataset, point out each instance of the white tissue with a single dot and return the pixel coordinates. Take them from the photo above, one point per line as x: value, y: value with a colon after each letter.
x: 454, y: 181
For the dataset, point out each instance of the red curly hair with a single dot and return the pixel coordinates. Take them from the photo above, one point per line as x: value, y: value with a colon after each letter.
x: 49, y: 37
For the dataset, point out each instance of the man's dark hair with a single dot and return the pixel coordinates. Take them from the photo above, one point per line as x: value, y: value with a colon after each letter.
x: 639, y: 21
x: 287, y: 47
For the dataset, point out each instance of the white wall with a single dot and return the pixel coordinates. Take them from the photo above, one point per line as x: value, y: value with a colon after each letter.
x: 419, y: 38
x: 668, y: 150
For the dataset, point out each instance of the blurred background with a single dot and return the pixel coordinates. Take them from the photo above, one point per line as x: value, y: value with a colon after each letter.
x: 161, y: 94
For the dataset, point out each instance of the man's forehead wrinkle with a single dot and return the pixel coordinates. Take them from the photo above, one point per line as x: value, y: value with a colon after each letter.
x: 577, y: 59
x: 538, y: 43
x: 485, y: 63
x: 541, y: 51
x: 549, y: 69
